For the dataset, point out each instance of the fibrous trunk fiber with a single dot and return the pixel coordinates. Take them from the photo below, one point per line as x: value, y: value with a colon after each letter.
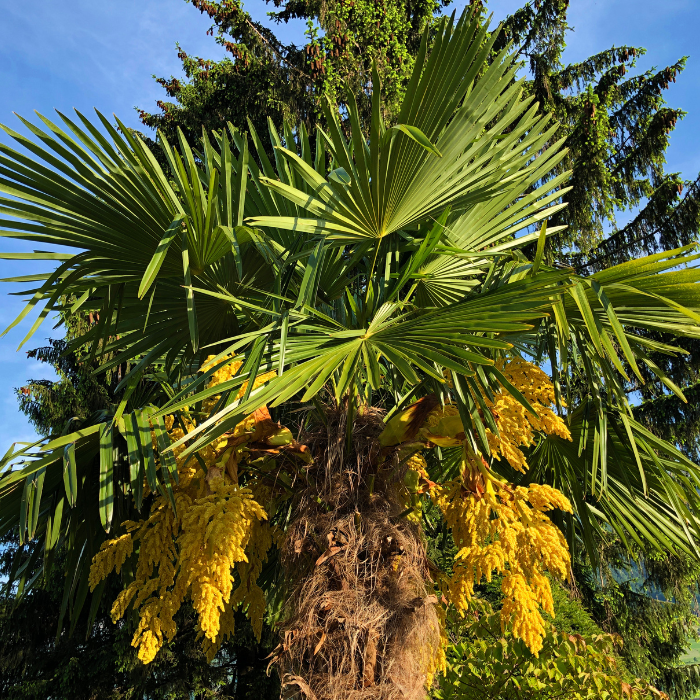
x: 362, y: 619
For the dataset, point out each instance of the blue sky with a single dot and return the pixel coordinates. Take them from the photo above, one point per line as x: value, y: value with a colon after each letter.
x: 102, y: 53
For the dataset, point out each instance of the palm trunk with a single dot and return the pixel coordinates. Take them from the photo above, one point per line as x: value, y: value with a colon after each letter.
x: 362, y: 621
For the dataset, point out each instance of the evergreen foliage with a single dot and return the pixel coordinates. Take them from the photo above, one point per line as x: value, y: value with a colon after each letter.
x: 649, y: 600
x: 673, y: 419
x: 78, y: 393
x: 96, y: 660
x: 665, y: 413
x: 265, y: 78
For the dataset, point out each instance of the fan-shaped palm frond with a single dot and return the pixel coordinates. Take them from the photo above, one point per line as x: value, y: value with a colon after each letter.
x: 623, y: 479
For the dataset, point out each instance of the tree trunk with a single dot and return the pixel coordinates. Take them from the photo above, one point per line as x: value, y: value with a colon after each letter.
x: 362, y: 621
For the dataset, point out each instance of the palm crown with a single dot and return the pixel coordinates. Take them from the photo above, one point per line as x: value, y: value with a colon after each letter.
x: 376, y: 280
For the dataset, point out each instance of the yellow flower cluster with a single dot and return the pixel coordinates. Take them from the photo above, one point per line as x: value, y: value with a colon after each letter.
x: 188, y: 468
x: 226, y: 372
x: 409, y: 491
x: 193, y: 556
x: 215, y: 532
x: 227, y: 626
x: 155, y: 575
x: 517, y: 425
x: 248, y: 595
x: 437, y: 655
x: 505, y: 530
x: 111, y: 557
x: 192, y: 551
x: 496, y: 526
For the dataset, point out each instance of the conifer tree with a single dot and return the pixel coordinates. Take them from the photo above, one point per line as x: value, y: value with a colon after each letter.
x: 649, y: 599
x: 618, y: 130
x: 615, y: 118
x: 265, y: 77
x: 52, y: 405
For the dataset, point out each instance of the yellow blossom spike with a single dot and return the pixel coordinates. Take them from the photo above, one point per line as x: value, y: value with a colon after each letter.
x: 505, y: 530
x: 426, y: 420
x: 219, y: 527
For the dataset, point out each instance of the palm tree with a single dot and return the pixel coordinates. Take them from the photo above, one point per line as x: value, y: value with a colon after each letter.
x: 328, y: 358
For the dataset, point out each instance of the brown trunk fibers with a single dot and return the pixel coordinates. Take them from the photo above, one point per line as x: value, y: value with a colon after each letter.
x: 362, y: 623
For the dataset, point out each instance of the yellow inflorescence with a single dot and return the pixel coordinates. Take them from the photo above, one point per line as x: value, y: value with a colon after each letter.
x: 215, y: 533
x: 227, y: 627
x: 192, y: 551
x: 437, y: 654
x: 226, y: 372
x: 505, y: 530
x: 249, y: 595
x: 111, y: 557
x: 517, y: 425
x: 410, y: 490
x: 497, y: 527
x: 192, y: 556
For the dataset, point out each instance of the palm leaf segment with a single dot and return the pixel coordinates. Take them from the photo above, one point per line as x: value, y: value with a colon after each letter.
x: 485, y: 136
x: 363, y: 268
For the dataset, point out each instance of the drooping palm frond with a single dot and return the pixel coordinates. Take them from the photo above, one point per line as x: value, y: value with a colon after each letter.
x: 55, y: 496
x: 623, y: 480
